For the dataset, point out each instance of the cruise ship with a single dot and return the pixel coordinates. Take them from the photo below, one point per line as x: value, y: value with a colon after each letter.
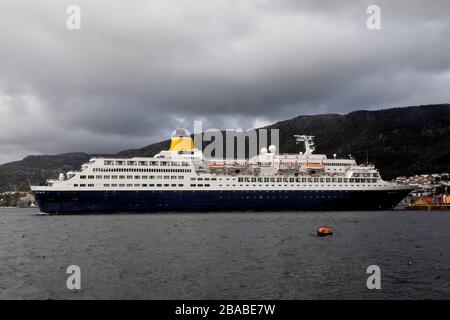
x: 181, y: 179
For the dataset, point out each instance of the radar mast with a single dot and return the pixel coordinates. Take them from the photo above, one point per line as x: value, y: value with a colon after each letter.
x: 308, y: 141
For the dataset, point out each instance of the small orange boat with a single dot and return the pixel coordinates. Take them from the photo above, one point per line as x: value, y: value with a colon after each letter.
x: 324, y: 231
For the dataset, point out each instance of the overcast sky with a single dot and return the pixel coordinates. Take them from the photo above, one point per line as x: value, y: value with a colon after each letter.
x: 138, y: 69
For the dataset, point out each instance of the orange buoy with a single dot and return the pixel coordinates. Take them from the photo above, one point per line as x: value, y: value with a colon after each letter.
x: 324, y: 231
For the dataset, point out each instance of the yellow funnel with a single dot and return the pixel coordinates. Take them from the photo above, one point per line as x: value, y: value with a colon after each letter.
x: 181, y: 141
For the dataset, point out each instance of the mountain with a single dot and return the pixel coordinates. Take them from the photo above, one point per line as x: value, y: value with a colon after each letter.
x: 399, y: 141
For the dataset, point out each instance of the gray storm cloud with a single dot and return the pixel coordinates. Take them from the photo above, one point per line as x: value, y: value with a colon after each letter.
x: 138, y: 69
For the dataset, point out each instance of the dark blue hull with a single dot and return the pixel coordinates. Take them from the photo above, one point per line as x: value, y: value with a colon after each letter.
x: 202, y: 201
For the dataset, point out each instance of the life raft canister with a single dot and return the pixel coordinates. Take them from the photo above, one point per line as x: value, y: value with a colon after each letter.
x: 324, y: 231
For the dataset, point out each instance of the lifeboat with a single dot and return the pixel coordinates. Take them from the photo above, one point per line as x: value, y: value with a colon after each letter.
x: 263, y: 167
x: 314, y: 167
x: 216, y: 166
x: 237, y: 166
x: 288, y: 166
x: 324, y: 231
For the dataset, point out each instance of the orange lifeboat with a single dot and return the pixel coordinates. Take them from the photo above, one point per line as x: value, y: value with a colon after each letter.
x: 314, y: 166
x: 324, y: 231
x: 216, y: 164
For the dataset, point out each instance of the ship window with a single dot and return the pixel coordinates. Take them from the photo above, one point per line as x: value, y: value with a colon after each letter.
x: 137, y: 177
x: 121, y: 185
x: 200, y: 185
x: 120, y: 163
x: 144, y: 177
x: 129, y: 184
x: 192, y: 185
x: 114, y: 185
x: 166, y: 177
x: 266, y: 179
x: 143, y: 163
x: 180, y: 185
x: 240, y: 179
x: 200, y: 179
x: 82, y: 177
x: 173, y: 177
x: 121, y: 177
x: 75, y: 185
x: 113, y: 177
x: 108, y: 162
x: 106, y: 185
x: 159, y: 185
x: 98, y: 177
x: 180, y: 177
x: 131, y: 163
x: 82, y: 185
x: 137, y: 185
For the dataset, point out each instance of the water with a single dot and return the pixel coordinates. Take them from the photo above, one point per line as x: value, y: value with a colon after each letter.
x: 225, y: 256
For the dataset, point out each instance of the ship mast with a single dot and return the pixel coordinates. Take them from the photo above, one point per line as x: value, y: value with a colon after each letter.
x: 308, y: 141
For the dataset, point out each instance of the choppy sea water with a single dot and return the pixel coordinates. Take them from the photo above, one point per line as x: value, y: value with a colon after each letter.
x: 225, y: 255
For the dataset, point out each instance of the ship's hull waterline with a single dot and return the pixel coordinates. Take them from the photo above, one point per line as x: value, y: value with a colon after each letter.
x: 66, y: 202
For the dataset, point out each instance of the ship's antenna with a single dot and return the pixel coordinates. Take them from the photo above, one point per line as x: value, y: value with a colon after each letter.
x: 29, y: 183
x: 308, y: 141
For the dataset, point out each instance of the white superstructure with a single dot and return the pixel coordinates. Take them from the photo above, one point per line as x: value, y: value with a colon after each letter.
x: 188, y: 170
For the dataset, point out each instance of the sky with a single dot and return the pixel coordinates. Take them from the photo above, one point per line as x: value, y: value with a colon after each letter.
x: 136, y: 70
